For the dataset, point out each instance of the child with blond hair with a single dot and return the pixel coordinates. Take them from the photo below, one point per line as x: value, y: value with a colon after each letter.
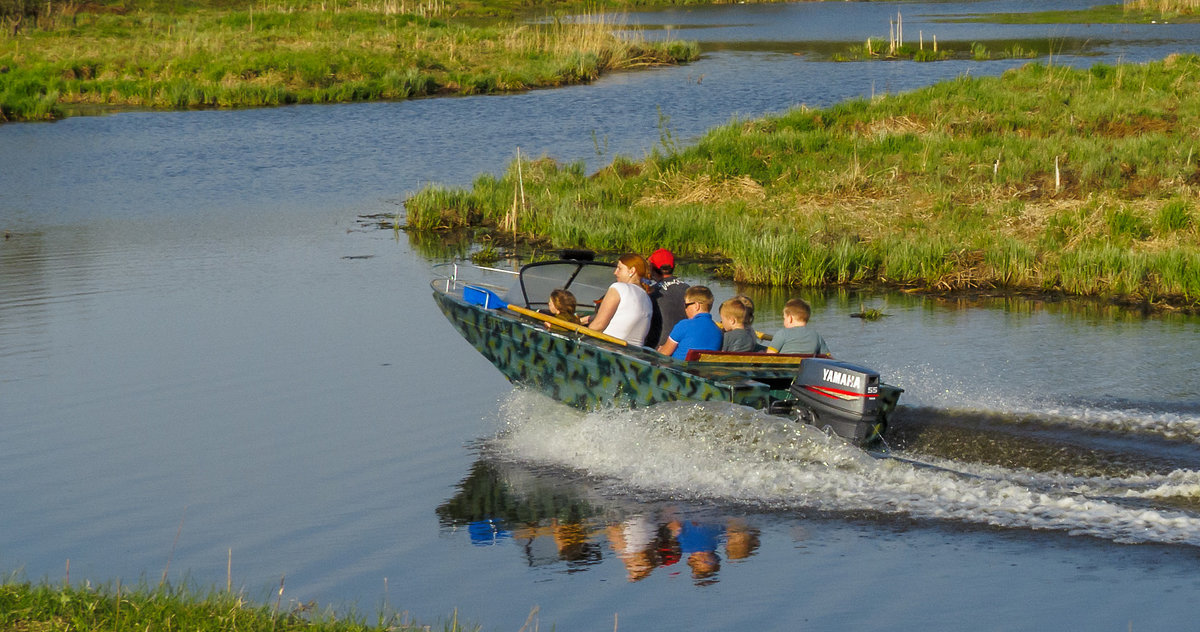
x: 738, y: 337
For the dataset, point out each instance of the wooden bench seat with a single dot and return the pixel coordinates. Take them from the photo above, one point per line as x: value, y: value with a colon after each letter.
x: 748, y: 357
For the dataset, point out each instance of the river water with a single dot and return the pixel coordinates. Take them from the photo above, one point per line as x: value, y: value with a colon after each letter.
x: 212, y: 370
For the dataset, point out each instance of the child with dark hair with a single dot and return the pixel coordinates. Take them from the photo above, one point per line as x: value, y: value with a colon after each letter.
x: 562, y: 305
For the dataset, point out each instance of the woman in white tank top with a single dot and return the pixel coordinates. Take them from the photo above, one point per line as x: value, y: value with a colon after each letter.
x: 625, y: 310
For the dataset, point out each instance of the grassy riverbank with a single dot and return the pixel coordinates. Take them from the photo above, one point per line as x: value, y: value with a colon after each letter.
x: 1128, y: 12
x: 1046, y: 179
x: 25, y: 607
x: 272, y: 52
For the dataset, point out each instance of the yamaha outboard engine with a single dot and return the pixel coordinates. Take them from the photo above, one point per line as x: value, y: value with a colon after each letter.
x: 841, y: 395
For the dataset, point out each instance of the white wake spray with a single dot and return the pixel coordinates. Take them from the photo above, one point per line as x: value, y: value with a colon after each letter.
x: 733, y: 454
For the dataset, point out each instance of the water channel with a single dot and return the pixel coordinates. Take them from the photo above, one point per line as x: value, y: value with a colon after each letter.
x: 212, y: 370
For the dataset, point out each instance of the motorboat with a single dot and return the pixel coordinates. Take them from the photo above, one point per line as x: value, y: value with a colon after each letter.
x: 504, y: 315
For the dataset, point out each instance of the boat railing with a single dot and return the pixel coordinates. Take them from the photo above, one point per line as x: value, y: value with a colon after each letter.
x: 488, y: 269
x: 452, y: 276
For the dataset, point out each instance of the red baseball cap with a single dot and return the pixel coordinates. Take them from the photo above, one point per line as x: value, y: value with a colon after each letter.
x: 662, y: 258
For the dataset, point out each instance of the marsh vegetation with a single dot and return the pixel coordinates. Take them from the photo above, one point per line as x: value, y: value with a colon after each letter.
x: 1045, y: 179
x: 1128, y: 12
x: 26, y: 606
x: 894, y: 47
x: 274, y: 52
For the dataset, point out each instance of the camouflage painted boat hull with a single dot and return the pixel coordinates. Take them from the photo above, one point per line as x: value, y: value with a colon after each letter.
x: 588, y: 373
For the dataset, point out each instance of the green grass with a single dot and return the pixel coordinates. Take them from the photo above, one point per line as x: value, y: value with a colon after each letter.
x: 1045, y: 179
x: 59, y: 57
x: 925, y: 47
x: 276, y: 52
x: 1128, y: 12
x: 880, y: 49
x: 28, y: 607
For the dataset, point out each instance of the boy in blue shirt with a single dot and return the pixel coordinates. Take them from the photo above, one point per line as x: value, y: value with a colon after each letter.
x: 698, y: 331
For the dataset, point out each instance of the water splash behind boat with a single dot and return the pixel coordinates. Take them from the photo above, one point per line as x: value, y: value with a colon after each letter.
x: 737, y: 456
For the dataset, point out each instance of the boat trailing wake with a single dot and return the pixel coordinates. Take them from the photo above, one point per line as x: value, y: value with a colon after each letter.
x: 1095, y: 417
x: 1178, y: 422
x: 731, y: 454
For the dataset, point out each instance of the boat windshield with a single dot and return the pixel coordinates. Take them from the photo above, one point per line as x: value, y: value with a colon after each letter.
x: 587, y: 280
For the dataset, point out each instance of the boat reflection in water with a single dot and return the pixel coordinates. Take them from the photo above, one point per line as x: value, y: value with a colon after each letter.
x: 554, y: 522
x: 646, y: 542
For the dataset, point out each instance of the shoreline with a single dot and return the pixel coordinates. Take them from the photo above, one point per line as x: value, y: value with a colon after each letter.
x: 486, y: 246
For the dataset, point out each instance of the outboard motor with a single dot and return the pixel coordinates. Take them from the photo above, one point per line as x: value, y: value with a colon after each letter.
x: 841, y: 395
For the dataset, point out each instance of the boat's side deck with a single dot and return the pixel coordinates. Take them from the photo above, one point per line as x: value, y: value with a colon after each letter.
x: 585, y: 371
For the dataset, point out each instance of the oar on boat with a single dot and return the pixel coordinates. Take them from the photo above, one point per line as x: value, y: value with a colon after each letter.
x: 488, y: 299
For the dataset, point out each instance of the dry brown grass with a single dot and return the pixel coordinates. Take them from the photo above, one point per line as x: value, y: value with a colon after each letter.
x: 896, y: 125
x: 703, y: 189
x: 1164, y: 6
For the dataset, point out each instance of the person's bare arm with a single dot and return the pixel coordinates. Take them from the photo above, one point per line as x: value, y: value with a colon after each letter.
x: 604, y: 313
x: 668, y: 347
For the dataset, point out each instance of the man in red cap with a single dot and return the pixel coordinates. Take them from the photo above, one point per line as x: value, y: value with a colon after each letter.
x: 667, y: 297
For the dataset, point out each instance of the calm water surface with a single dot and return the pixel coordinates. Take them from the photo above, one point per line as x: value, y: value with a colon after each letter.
x: 207, y: 359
